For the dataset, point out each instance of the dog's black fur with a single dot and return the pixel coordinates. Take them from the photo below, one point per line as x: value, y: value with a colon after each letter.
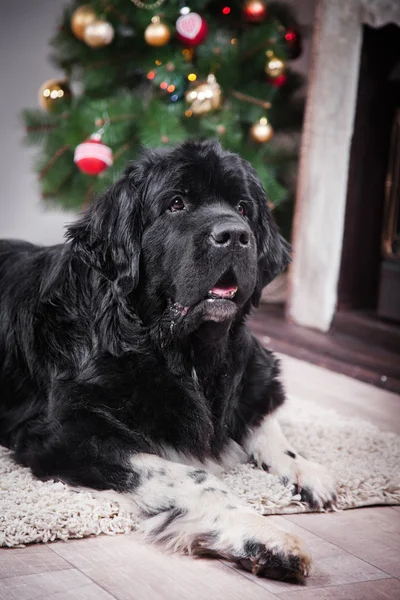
x: 108, y: 346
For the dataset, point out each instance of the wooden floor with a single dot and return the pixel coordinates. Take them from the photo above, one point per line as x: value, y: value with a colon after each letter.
x: 358, y: 345
x: 356, y: 552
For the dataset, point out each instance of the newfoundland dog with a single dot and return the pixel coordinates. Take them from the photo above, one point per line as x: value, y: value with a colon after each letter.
x: 126, y: 363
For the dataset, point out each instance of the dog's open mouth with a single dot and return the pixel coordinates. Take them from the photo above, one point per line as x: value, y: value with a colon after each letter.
x: 219, y: 302
x: 224, y: 289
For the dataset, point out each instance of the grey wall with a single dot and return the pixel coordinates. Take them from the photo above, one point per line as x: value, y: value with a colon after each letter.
x: 25, y: 29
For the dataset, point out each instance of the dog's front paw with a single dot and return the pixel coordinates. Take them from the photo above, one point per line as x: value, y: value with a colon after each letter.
x: 315, y: 484
x: 311, y: 480
x: 286, y: 560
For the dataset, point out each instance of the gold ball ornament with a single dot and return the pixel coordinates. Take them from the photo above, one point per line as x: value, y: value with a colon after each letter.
x: 98, y: 34
x: 205, y: 97
x: 261, y: 132
x: 157, y: 34
x: 275, y: 67
x: 52, y: 93
x: 81, y: 18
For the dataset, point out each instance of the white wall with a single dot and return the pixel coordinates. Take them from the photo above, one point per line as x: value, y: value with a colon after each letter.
x: 25, y: 29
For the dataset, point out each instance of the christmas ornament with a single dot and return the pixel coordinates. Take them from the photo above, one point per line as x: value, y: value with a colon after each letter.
x: 293, y: 43
x: 279, y: 81
x: 98, y: 34
x: 53, y: 93
x: 261, y: 131
x: 254, y: 11
x: 81, y: 18
x: 275, y: 66
x: 92, y: 156
x: 205, y: 97
x: 191, y: 28
x: 157, y: 33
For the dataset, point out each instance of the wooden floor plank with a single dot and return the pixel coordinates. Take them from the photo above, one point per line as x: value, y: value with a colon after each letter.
x: 385, y: 589
x: 38, y: 585
x: 130, y: 569
x: 32, y: 559
x: 347, y: 396
x: 371, y: 534
x: 87, y: 592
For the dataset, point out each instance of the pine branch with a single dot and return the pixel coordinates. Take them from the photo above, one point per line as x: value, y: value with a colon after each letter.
x: 53, y: 160
x: 251, y: 100
x: 35, y: 128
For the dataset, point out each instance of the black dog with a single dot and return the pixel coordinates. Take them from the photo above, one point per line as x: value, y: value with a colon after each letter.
x: 125, y: 358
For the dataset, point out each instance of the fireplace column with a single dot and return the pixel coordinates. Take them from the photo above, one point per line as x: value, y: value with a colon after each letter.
x: 325, y: 152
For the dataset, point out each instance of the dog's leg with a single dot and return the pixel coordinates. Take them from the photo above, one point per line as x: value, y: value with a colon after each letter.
x: 183, y: 507
x: 268, y: 447
x: 190, y: 510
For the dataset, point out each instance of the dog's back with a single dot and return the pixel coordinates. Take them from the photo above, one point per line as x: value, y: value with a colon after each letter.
x: 21, y: 266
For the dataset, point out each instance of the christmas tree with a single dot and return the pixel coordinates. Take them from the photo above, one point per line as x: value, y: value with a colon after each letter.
x: 152, y: 73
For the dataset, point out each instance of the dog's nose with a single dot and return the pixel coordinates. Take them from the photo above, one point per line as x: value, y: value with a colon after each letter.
x: 232, y: 234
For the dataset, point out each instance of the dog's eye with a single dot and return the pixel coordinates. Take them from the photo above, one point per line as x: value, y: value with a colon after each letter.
x: 241, y: 209
x: 177, y: 204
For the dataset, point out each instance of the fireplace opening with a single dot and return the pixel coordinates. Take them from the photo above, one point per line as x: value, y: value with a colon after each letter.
x: 371, y: 157
x: 368, y: 304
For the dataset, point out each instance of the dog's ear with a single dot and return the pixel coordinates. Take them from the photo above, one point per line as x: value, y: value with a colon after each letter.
x: 108, y: 235
x: 273, y: 250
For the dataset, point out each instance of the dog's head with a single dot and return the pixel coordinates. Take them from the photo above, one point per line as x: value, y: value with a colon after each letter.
x: 186, y: 229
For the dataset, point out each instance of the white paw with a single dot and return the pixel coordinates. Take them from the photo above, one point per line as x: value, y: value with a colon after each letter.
x: 311, y: 480
x: 318, y: 487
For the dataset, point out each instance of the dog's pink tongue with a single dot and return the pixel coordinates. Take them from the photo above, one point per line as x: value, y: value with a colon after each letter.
x: 224, y: 292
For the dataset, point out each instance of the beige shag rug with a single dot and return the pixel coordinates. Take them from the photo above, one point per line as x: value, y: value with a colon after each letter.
x: 365, y: 461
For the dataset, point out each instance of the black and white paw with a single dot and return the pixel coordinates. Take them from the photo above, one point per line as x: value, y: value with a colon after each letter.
x: 286, y: 561
x: 316, y: 486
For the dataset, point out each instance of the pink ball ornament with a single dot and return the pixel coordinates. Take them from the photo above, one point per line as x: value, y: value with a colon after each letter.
x: 92, y: 156
x: 191, y: 29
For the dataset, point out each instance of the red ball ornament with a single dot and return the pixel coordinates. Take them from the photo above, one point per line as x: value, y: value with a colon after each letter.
x: 254, y: 11
x: 191, y: 29
x: 92, y: 156
x: 279, y: 81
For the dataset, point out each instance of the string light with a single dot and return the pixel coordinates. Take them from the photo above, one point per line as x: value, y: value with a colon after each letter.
x: 151, y: 75
x: 192, y: 76
x: 226, y: 10
x: 163, y: 85
x: 171, y: 88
